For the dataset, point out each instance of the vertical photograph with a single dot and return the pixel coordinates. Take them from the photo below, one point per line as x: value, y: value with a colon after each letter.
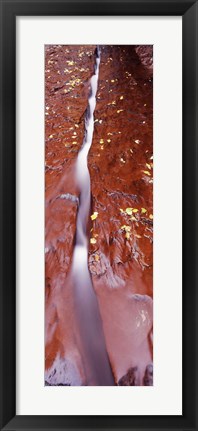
x: 98, y: 215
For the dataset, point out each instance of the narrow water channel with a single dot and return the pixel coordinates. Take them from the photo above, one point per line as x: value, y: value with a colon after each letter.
x: 91, y: 339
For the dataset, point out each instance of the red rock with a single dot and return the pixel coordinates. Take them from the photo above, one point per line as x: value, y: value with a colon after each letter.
x: 67, y: 73
x: 120, y: 165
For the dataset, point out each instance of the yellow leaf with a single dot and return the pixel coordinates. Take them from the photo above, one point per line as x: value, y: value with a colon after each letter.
x: 151, y: 216
x: 108, y: 140
x: 92, y: 240
x: 97, y: 257
x: 129, y: 211
x: 143, y: 210
x: 126, y: 228
x: 101, y: 141
x: 148, y: 166
x: 94, y: 215
x: 127, y: 235
x: 112, y: 80
x: 74, y: 143
x: 147, y: 173
x: 51, y: 136
x: 135, y: 210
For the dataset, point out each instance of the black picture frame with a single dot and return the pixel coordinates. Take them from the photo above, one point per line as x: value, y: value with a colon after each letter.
x: 188, y: 9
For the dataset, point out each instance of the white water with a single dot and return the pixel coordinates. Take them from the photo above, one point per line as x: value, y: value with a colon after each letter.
x: 92, y: 342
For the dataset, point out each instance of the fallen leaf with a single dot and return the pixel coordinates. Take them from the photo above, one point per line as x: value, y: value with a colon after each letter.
x: 127, y: 235
x: 121, y: 97
x: 137, y: 141
x: 120, y: 110
x: 126, y: 228
x: 151, y: 216
x: 97, y: 257
x: 92, y: 241
x: 148, y: 166
x: 101, y: 141
x: 147, y: 173
x: 94, y: 215
x: 143, y: 210
x: 129, y: 211
x: 135, y: 210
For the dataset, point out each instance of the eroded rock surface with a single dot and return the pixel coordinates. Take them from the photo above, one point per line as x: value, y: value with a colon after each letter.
x: 145, y: 53
x: 67, y: 73
x: 121, y: 169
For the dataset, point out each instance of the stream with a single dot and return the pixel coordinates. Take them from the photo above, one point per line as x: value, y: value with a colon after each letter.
x: 94, y: 354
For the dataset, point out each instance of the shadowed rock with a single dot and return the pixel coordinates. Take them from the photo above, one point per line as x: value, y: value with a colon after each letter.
x: 131, y: 378
x: 148, y: 377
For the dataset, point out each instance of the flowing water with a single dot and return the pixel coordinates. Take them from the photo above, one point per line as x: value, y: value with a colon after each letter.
x: 92, y: 342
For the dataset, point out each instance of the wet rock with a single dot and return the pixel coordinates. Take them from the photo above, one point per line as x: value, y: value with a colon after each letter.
x: 67, y: 73
x: 121, y: 170
x: 63, y: 372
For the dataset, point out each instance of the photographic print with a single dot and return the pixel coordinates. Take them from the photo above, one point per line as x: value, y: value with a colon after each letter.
x: 98, y: 215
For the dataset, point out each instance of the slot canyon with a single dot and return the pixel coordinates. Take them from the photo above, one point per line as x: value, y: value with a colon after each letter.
x: 98, y: 215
